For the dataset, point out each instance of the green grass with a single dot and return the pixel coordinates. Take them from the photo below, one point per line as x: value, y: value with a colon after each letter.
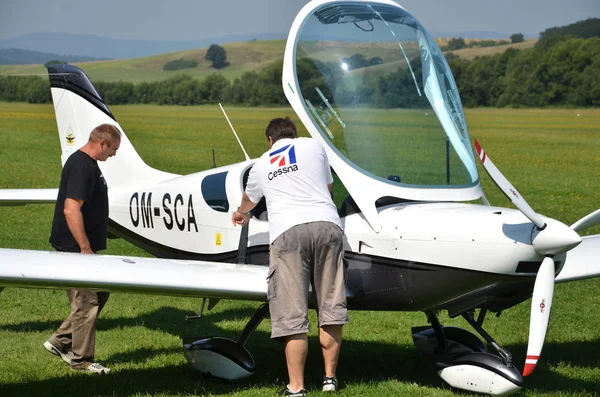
x: 551, y: 156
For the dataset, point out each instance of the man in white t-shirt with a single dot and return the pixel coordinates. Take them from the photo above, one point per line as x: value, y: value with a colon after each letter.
x: 306, y: 247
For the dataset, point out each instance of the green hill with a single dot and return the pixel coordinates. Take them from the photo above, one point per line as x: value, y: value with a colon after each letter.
x: 243, y: 57
x: 472, y: 53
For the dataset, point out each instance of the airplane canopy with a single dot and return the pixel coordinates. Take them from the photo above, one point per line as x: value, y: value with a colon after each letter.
x: 368, y: 80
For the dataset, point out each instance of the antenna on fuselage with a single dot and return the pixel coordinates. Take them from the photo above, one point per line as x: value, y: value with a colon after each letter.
x: 234, y: 133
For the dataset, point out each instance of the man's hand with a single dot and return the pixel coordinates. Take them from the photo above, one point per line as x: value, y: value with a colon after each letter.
x: 87, y: 251
x: 239, y: 219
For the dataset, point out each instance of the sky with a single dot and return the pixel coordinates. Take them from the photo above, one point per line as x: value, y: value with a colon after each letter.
x: 199, y: 19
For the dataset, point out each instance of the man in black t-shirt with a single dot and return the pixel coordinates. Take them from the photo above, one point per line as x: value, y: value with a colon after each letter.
x: 80, y: 225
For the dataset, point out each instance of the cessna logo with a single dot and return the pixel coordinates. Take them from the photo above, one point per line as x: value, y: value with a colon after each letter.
x: 285, y: 159
x: 285, y: 155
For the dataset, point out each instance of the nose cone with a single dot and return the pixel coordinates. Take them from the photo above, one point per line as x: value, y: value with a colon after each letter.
x: 556, y: 238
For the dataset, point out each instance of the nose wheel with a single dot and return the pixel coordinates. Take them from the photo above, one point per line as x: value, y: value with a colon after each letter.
x: 463, y: 359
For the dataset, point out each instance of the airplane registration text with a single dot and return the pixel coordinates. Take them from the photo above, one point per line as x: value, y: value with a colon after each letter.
x: 173, y: 210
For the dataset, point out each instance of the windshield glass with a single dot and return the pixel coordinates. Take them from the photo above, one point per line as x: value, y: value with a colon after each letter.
x: 381, y: 93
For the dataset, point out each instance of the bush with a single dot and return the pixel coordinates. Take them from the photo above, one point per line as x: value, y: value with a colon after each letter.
x: 487, y: 43
x: 456, y: 43
x: 119, y: 93
x: 358, y: 61
x: 179, y: 64
x: 517, y: 38
x: 54, y: 62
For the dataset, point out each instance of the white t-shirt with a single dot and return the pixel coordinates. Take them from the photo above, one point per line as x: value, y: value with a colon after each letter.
x: 293, y: 176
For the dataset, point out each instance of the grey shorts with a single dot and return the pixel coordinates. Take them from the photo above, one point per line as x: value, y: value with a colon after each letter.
x: 309, y: 253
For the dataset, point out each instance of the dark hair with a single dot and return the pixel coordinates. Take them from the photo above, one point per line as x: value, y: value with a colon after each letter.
x: 281, y: 128
x: 108, y: 132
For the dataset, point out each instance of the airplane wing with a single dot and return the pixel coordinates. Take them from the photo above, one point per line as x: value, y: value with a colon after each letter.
x: 27, y: 196
x: 582, y: 261
x: 48, y: 269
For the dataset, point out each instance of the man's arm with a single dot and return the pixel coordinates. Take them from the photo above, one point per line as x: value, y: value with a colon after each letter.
x: 74, y: 219
x: 240, y: 216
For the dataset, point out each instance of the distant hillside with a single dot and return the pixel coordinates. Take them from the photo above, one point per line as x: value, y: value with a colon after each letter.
x: 481, y: 34
x: 566, y: 73
x: 472, y: 53
x: 14, y: 56
x: 243, y: 57
x: 90, y: 45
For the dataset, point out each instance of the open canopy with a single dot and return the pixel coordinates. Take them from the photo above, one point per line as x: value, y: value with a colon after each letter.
x: 374, y: 86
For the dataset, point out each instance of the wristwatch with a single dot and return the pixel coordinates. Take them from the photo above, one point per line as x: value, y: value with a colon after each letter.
x: 243, y: 213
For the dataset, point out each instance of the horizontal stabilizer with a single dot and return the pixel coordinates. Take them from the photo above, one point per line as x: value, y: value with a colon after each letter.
x: 582, y: 261
x: 47, y: 269
x: 27, y: 196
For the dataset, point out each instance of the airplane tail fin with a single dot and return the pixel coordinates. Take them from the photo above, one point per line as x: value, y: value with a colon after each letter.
x: 79, y: 109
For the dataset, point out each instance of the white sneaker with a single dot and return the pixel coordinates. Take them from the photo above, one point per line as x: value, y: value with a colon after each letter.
x: 330, y: 384
x: 66, y: 357
x: 97, y: 368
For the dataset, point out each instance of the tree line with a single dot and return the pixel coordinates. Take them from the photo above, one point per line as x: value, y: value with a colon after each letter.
x: 583, y: 29
x: 566, y: 73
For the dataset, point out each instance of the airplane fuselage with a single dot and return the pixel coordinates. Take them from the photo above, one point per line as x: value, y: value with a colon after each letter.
x: 426, y: 256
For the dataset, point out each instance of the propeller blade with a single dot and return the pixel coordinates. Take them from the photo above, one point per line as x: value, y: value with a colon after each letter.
x: 541, y: 303
x: 587, y: 221
x: 507, y: 188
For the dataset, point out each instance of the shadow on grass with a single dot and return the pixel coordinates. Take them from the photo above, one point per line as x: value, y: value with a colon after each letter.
x: 576, y: 354
x: 360, y: 361
x: 385, y: 362
x: 166, y: 319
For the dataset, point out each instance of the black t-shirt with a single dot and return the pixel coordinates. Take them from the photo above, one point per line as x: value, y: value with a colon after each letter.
x: 82, y: 179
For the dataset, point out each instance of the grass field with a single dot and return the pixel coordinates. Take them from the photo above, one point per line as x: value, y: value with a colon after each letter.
x: 243, y: 57
x: 552, y: 157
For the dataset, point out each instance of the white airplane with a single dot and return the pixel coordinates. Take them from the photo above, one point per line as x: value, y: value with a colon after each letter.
x: 413, y: 240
